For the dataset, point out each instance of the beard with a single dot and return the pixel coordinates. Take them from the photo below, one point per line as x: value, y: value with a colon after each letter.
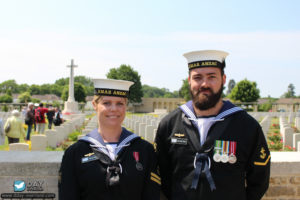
x: 206, y: 101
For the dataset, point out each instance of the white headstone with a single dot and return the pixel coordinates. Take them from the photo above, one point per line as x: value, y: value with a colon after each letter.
x: 288, y: 137
x: 296, y: 139
x: 142, y: 130
x: 52, y: 138
x: 149, y: 136
x: 38, y: 143
x: 19, y: 147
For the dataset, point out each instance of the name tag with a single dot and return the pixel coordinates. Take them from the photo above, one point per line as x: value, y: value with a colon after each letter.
x: 89, y: 159
x: 180, y: 141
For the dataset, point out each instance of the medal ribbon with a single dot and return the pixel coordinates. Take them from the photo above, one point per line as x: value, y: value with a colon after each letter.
x: 136, y: 156
x: 232, y: 148
x: 218, y: 146
x: 225, y: 147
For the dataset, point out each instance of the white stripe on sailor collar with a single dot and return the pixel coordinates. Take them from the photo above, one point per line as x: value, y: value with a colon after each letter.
x: 95, y: 143
x: 219, y: 117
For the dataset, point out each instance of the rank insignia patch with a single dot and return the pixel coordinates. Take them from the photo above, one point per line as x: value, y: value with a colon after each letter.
x: 262, y: 153
x: 154, y: 177
x: 263, y: 156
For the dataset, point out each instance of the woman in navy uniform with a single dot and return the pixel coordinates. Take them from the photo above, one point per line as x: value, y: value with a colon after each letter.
x: 209, y: 148
x: 110, y: 162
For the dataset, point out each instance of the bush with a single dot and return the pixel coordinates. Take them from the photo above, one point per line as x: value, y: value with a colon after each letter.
x: 6, y: 98
x: 73, y: 136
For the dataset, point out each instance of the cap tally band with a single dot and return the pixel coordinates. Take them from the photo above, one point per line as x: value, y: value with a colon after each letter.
x: 111, y: 92
x: 206, y: 63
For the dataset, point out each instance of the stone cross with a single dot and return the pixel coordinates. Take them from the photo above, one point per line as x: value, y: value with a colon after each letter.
x: 71, y: 82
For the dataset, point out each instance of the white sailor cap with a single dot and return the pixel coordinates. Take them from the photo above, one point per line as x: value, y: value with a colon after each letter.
x: 206, y: 58
x: 112, y: 87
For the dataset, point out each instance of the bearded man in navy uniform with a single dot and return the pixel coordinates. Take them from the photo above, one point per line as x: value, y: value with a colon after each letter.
x: 209, y: 148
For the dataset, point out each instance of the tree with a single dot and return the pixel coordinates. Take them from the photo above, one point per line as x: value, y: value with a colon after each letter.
x: 184, y: 91
x: 291, y: 92
x: 23, y: 88
x: 155, y: 92
x: 245, y: 91
x: 6, y: 98
x: 87, y: 82
x: 125, y: 72
x: 45, y: 89
x: 62, y: 81
x: 9, y: 85
x: 230, y: 86
x: 25, y: 97
x: 57, y: 89
x: 267, y: 106
x: 79, y: 92
x: 34, y: 89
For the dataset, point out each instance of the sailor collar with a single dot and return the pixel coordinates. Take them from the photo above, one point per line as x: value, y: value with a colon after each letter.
x: 95, y: 140
x: 227, y: 109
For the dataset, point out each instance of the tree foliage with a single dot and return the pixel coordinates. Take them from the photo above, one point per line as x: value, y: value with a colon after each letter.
x: 9, y: 85
x: 267, y: 106
x: 126, y: 72
x: 87, y: 82
x: 245, y: 91
x: 291, y: 92
x: 6, y: 98
x: 155, y: 92
x: 34, y: 89
x: 23, y: 88
x: 25, y: 97
x: 184, y: 91
x: 79, y: 92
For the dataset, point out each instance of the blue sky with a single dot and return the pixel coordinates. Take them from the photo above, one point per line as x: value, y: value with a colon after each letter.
x: 39, y: 38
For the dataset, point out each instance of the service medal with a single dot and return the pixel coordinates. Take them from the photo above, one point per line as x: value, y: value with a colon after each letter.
x: 217, y: 157
x: 217, y: 150
x: 138, y: 165
x: 224, y: 156
x: 232, y: 157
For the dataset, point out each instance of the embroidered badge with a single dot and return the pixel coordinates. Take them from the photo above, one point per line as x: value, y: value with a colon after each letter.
x: 179, y: 135
x: 154, y: 177
x: 263, y: 156
x: 262, y: 153
x: 89, y: 154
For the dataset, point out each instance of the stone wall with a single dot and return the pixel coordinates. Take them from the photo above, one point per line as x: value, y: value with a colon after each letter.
x: 285, y: 176
x: 39, y: 170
